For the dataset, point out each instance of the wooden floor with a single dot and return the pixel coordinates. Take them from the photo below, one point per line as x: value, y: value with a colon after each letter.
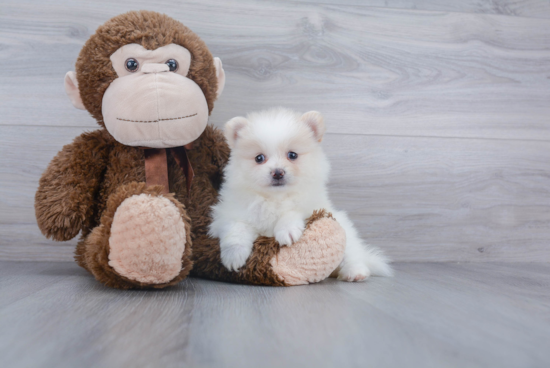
x: 53, y: 314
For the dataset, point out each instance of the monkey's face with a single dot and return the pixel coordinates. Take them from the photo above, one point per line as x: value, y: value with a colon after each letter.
x: 152, y: 103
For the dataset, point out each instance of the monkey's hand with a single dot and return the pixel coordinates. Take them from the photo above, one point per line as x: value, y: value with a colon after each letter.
x: 67, y: 189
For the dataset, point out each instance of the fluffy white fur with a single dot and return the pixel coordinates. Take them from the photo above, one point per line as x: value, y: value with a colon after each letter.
x: 253, y: 202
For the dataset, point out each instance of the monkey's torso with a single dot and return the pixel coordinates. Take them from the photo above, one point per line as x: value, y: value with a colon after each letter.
x: 126, y: 164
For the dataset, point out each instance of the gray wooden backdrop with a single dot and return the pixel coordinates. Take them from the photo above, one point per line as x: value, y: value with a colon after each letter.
x: 438, y: 111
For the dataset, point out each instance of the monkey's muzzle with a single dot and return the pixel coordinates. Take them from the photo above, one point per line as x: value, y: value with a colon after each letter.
x: 154, y: 108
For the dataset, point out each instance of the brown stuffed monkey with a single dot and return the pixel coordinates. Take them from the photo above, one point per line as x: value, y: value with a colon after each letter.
x: 140, y: 188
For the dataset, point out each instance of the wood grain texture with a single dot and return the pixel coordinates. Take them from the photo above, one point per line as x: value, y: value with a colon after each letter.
x: 417, y: 198
x: 428, y: 315
x: 524, y: 8
x: 379, y: 71
x: 438, y: 112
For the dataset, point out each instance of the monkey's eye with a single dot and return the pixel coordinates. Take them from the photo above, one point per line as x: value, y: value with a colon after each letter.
x: 172, y: 64
x: 259, y: 159
x: 292, y: 155
x: 131, y: 65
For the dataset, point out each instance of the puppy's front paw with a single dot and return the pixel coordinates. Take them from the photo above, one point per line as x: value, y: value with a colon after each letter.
x: 235, y: 256
x: 289, y: 234
x: 353, y: 272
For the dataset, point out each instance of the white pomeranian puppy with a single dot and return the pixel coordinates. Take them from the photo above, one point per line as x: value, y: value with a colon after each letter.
x: 276, y: 177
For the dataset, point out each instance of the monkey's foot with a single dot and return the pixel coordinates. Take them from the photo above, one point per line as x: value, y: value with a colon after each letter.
x: 317, y: 253
x: 147, y: 239
x: 143, y: 241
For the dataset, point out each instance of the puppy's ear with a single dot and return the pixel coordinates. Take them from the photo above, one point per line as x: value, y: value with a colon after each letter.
x: 232, y: 129
x: 314, y: 120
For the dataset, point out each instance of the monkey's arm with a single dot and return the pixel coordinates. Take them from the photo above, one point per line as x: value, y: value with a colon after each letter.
x: 67, y: 189
x: 214, y: 153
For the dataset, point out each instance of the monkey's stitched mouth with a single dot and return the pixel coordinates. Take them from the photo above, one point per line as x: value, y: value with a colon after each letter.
x: 156, y: 121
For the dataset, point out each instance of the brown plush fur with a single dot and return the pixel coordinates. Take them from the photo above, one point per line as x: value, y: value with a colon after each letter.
x: 87, y: 181
x: 68, y: 189
x: 151, y: 30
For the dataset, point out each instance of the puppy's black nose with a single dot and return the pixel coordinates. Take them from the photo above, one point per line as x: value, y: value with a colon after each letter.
x: 278, y: 174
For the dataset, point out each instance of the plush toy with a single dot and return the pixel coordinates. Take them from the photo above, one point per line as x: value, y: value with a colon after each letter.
x: 140, y: 188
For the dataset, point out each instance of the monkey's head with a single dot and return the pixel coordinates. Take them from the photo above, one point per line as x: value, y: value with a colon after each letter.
x: 148, y: 79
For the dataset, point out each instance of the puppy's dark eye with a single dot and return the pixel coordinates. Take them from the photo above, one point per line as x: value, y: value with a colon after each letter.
x: 292, y: 155
x: 259, y: 159
x: 172, y: 64
x: 131, y: 65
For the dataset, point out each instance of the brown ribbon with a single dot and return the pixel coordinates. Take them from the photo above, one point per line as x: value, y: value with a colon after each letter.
x: 156, y: 166
x: 180, y: 154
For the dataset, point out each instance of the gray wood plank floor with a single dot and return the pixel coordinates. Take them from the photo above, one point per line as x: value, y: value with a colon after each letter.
x: 53, y: 314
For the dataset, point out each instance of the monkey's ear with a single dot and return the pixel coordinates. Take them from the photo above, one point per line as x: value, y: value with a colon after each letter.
x: 314, y: 120
x: 220, y: 74
x: 71, y: 87
x: 232, y: 129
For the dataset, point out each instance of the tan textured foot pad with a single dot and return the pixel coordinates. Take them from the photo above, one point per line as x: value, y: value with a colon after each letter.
x: 312, y: 258
x: 147, y: 239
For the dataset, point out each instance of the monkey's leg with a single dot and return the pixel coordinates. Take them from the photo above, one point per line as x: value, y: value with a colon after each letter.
x: 311, y: 259
x: 143, y: 241
x: 317, y: 253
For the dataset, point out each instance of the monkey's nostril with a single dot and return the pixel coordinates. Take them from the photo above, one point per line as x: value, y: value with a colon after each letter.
x: 278, y: 174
